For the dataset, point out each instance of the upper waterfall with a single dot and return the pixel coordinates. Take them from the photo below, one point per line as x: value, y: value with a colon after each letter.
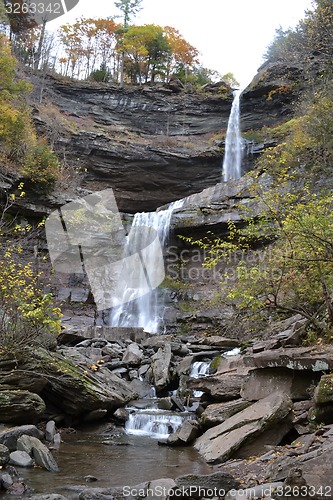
x: 232, y: 162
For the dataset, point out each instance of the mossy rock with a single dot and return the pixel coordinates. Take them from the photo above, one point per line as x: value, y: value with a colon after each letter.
x: 20, y: 407
x: 324, y: 390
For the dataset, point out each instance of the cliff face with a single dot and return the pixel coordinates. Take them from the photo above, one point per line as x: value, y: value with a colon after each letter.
x: 149, y: 144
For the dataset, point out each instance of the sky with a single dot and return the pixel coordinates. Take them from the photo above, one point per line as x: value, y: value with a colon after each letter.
x: 231, y: 35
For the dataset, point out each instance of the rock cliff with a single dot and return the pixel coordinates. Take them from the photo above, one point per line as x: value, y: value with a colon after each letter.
x: 149, y: 144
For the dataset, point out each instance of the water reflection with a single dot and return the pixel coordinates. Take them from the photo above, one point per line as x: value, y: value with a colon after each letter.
x: 114, y: 458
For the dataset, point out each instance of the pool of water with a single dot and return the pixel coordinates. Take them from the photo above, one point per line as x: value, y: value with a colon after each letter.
x: 114, y: 458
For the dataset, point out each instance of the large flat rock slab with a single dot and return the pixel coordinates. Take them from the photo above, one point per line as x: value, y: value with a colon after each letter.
x: 219, y: 443
x: 299, y: 358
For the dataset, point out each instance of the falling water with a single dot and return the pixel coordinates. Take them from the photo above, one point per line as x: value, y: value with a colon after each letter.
x: 232, y: 162
x: 155, y: 423
x: 146, y: 311
x: 199, y: 369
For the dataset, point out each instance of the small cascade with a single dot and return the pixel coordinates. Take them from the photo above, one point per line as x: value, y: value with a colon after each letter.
x: 232, y: 162
x: 156, y: 424
x: 147, y: 310
x: 199, y: 369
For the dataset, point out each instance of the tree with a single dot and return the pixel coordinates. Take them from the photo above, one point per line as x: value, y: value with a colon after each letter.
x: 183, y: 55
x: 146, y: 52
x: 129, y: 8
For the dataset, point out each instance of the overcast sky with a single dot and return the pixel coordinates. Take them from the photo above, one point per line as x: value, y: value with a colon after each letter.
x: 231, y: 35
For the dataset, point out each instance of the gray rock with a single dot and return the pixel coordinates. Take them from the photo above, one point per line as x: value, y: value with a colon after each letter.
x: 316, y: 359
x: 219, y: 443
x: 4, y: 455
x: 21, y: 407
x: 51, y: 496
x: 20, y: 458
x: 219, y: 412
x: 133, y: 354
x: 9, y: 437
x: 188, y: 431
x: 6, y: 480
x: 324, y: 390
x: 259, y: 383
x: 50, y: 431
x: 161, y: 366
x: 222, y: 481
x: 263, y: 491
x: 221, y: 387
x: 39, y: 451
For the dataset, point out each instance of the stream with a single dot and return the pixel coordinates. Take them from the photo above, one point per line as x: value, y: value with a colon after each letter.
x: 114, y: 458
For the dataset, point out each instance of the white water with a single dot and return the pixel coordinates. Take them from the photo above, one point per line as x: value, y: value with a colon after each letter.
x: 199, y: 369
x: 157, y: 424
x: 147, y: 310
x: 232, y: 162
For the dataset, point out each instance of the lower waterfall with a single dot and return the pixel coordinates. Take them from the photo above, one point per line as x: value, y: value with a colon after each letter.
x: 155, y: 423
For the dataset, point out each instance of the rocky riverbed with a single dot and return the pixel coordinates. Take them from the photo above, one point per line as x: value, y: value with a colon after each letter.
x: 263, y: 414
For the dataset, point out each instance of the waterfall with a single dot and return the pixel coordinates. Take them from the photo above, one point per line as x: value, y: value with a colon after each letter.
x: 232, y: 161
x: 199, y: 369
x: 147, y: 310
x: 157, y: 424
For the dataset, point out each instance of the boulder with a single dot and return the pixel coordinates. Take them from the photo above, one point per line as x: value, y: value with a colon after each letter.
x: 316, y: 359
x: 157, y: 488
x: 324, y: 390
x: 161, y: 366
x: 133, y: 354
x: 9, y: 437
x: 82, y: 387
x: 221, y: 387
x: 4, y: 455
x: 219, y: 443
x: 20, y: 407
x: 259, y: 383
x: 74, y: 386
x: 186, y: 434
x: 20, y: 458
x: 41, y: 454
x: 6, y: 481
x: 201, y: 485
x: 219, y: 412
x: 50, y: 431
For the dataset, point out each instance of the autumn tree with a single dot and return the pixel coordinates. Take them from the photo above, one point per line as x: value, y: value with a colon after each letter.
x: 146, y: 52
x: 183, y: 55
x: 129, y: 9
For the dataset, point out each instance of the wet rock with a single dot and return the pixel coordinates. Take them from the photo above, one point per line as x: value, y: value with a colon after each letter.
x: 121, y: 414
x: 50, y: 431
x: 21, y: 407
x: 6, y: 480
x: 161, y: 366
x: 164, y: 403
x: 90, y: 479
x: 219, y: 443
x: 4, y: 455
x: 9, y: 437
x: 20, y: 458
x: 17, y: 488
x: 219, y: 412
x: 41, y: 454
x: 188, y: 431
